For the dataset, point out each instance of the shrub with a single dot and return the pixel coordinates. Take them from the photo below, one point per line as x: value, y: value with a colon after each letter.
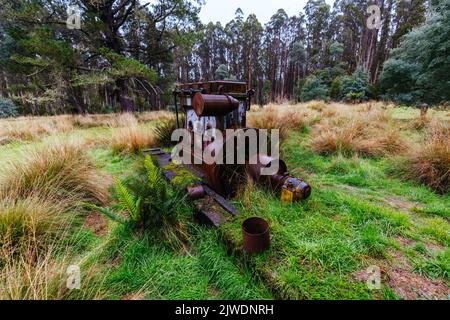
x: 356, y: 86
x: 313, y: 89
x: 335, y: 89
x: 7, y: 108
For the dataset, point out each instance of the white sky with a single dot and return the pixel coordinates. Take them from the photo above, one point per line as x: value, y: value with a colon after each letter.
x: 223, y: 10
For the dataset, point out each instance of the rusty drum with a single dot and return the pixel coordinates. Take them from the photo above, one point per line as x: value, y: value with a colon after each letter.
x: 256, y: 235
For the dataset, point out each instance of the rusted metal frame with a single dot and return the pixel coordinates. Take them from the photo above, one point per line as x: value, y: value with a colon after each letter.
x: 208, y: 207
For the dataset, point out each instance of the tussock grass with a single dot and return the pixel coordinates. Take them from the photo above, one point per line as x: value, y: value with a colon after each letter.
x: 278, y: 117
x: 365, y: 132
x: 284, y: 118
x: 155, y: 116
x: 34, y: 128
x: 42, y: 277
x: 130, y: 139
x: 30, y: 128
x: 429, y: 162
x: 41, y: 195
x: 32, y: 220
x: 61, y: 169
x: 30, y: 277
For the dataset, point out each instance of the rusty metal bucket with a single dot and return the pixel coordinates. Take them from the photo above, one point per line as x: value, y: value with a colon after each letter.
x: 256, y: 235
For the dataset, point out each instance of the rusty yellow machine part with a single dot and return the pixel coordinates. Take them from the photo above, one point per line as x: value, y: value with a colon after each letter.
x: 293, y: 190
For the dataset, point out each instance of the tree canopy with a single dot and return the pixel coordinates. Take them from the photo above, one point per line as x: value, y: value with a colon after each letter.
x: 128, y: 55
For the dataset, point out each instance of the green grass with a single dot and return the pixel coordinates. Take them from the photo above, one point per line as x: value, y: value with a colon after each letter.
x: 356, y: 216
x: 356, y: 212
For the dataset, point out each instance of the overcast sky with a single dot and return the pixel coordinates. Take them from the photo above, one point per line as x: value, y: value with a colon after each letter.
x: 223, y: 10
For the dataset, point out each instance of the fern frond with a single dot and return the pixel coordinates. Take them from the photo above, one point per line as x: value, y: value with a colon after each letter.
x: 126, y: 199
x: 155, y: 181
x: 107, y: 212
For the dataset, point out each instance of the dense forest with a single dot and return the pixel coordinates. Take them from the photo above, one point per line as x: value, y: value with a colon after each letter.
x: 128, y: 55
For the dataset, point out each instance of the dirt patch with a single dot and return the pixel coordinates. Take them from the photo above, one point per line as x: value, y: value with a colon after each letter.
x: 397, y: 274
x: 412, y: 286
x: 402, y: 204
x: 96, y: 222
x: 134, y: 296
x: 434, y: 246
x: 404, y: 242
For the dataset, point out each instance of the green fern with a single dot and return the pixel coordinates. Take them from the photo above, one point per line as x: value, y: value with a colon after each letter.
x: 146, y: 201
x: 128, y: 201
x: 107, y: 212
x: 155, y: 182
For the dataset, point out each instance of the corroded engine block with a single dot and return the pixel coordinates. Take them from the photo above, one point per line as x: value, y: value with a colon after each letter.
x: 223, y: 105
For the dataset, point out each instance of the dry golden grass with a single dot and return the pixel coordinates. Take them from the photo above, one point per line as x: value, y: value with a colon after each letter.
x: 30, y: 128
x: 155, y: 116
x: 281, y: 117
x: 131, y: 139
x: 429, y: 162
x: 363, y: 130
x: 30, y: 277
x: 60, y: 168
x: 35, y: 219
x: 42, y: 277
x: 33, y: 128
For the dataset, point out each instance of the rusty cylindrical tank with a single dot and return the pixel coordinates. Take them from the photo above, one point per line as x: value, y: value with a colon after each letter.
x: 206, y: 105
x: 256, y: 235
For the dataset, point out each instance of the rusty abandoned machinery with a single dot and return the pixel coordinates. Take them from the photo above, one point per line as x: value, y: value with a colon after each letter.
x: 223, y: 105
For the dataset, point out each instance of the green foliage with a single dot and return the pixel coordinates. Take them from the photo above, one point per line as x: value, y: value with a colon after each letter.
x: 418, y: 69
x: 437, y: 267
x: 163, y: 131
x: 355, y: 86
x: 7, y: 108
x: 336, y: 51
x: 131, y: 204
x: 266, y: 92
x: 335, y: 89
x: 313, y: 89
x: 398, y: 81
x: 125, y: 68
x: 146, y: 198
x: 221, y: 73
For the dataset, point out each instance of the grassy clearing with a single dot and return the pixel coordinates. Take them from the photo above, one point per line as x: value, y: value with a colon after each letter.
x: 365, y: 210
